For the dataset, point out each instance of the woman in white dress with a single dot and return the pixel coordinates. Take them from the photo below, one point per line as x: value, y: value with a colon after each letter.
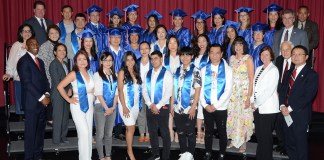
x: 130, y: 97
x: 81, y: 103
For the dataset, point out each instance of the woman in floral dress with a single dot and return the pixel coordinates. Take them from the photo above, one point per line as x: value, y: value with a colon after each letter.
x: 240, y: 115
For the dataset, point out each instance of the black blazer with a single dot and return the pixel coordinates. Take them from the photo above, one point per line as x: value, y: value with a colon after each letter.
x: 57, y: 74
x: 40, y: 34
x: 279, y: 64
x: 301, y: 95
x: 312, y: 33
x: 34, y: 82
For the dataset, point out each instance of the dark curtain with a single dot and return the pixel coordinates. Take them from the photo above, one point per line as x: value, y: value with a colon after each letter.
x: 14, y: 12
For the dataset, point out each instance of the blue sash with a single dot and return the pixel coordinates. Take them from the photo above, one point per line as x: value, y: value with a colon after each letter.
x: 131, y: 96
x: 109, y: 90
x: 186, y: 88
x: 82, y: 92
x: 63, y: 32
x: 221, y: 81
x: 156, y: 48
x: 75, y: 42
x: 167, y: 62
x: 203, y: 61
x: 158, y: 85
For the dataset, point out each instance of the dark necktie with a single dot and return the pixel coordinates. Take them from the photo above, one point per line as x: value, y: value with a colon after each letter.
x: 42, y: 24
x: 302, y: 26
x: 291, y: 83
x: 285, y: 71
x: 37, y: 63
x: 286, y: 36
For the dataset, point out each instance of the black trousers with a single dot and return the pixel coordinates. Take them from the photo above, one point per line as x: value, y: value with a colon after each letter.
x: 279, y: 130
x: 156, y: 122
x: 186, y: 132
x: 220, y: 117
x: 264, y: 125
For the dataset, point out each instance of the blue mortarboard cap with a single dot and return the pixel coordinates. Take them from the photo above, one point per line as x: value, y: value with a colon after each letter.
x: 178, y: 13
x: 200, y: 15
x: 115, y: 31
x: 259, y: 27
x: 218, y: 11
x: 244, y: 9
x: 232, y: 24
x: 131, y: 8
x: 93, y: 8
x: 272, y: 8
x: 134, y: 30
x: 115, y: 11
x: 154, y: 13
x: 87, y: 33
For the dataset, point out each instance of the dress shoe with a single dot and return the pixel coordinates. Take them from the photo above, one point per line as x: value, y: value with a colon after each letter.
x: 221, y: 157
x: 65, y: 141
x: 49, y: 123
x: 208, y: 156
x: 283, y: 152
x: 278, y: 148
x: 154, y: 157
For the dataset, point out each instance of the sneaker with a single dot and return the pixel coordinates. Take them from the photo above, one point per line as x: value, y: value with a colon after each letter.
x: 183, y: 156
x: 189, y: 156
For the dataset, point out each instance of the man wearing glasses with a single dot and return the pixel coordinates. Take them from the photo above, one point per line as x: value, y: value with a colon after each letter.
x: 289, y: 33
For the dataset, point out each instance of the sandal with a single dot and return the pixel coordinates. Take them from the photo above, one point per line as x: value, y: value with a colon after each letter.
x: 230, y: 146
x: 147, y: 139
x: 141, y: 139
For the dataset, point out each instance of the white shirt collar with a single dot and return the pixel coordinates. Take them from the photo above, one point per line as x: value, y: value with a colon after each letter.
x: 33, y: 56
x: 298, y: 69
x: 112, y: 48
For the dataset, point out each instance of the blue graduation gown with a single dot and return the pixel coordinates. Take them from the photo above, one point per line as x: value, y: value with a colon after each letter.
x: 246, y: 34
x: 149, y: 37
x: 94, y: 65
x: 183, y: 35
x: 268, y: 37
x: 127, y: 26
x: 217, y: 36
x: 255, y: 54
x: 101, y: 37
x: 136, y: 52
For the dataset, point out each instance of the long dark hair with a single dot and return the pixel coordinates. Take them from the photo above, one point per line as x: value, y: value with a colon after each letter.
x: 20, y: 30
x: 75, y: 66
x: 167, y: 54
x: 227, y: 40
x: 128, y: 77
x: 157, y: 22
x: 196, y: 47
x: 222, y: 16
x: 279, y: 23
x: 111, y: 23
x: 240, y: 39
x: 104, y: 56
x: 92, y: 50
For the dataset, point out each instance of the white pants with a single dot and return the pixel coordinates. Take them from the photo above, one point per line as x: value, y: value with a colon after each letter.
x: 83, y: 122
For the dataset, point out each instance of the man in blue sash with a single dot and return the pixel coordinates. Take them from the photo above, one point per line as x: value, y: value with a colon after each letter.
x: 66, y: 25
x: 157, y: 92
x: 215, y: 94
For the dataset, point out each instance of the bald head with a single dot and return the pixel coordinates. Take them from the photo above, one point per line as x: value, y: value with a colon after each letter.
x: 32, y: 46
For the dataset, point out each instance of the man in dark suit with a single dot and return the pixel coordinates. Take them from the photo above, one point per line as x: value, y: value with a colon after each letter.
x: 283, y: 63
x: 296, y: 94
x: 35, y: 97
x: 289, y: 33
x: 311, y: 29
x: 38, y: 22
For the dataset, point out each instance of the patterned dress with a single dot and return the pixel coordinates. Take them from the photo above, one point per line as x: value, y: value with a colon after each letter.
x: 240, y: 120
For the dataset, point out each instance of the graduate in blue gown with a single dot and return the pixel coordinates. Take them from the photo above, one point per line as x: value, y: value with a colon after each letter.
x: 181, y: 32
x: 160, y: 43
x: 131, y: 13
x: 255, y: 47
x: 217, y: 34
x: 152, y: 20
x: 245, y: 28
x: 97, y: 27
x: 115, y: 20
x: 231, y: 34
x: 88, y: 44
x: 274, y: 21
x: 133, y: 41
x: 200, y: 27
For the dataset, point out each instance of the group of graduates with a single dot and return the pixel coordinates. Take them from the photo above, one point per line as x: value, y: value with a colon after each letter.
x: 124, y: 74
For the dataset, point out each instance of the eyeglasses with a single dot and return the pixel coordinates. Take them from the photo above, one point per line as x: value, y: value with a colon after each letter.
x: 297, y: 55
x: 26, y: 31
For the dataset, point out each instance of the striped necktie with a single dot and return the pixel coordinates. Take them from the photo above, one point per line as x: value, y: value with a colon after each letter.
x: 291, y: 83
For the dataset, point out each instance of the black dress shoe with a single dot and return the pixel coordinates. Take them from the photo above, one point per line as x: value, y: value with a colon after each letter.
x: 154, y: 157
x: 278, y: 148
x: 283, y: 152
x: 208, y: 156
x: 49, y: 124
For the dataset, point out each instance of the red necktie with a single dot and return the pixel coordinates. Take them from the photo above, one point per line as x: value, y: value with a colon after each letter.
x: 291, y: 83
x: 285, y: 71
x: 37, y: 63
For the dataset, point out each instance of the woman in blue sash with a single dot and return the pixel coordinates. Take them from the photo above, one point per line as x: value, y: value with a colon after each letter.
x: 255, y: 47
x: 231, y: 34
x: 186, y: 84
x: 245, y: 27
x: 160, y: 43
x: 81, y: 103
x: 88, y: 45
x: 104, y: 110
x: 274, y: 20
x: 217, y: 34
x: 133, y: 41
x: 130, y: 97
x: 152, y: 20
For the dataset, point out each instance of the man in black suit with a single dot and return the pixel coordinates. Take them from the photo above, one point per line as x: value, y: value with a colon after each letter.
x: 35, y: 97
x: 283, y: 63
x: 296, y: 94
x: 39, y: 23
x: 311, y: 28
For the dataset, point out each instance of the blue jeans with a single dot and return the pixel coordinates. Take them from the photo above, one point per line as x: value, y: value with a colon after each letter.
x: 18, y: 106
